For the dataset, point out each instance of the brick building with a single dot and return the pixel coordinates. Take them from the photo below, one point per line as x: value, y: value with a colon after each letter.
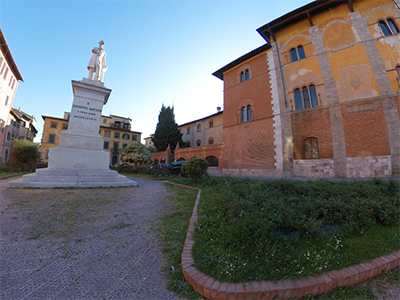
x: 115, y: 130
x: 320, y: 98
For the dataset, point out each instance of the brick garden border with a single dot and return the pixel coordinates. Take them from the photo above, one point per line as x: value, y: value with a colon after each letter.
x: 284, y: 289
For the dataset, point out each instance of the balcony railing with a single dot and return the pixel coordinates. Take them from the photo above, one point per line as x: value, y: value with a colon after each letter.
x: 121, y: 126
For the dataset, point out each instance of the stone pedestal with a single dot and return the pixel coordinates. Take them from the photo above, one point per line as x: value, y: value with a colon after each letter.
x: 79, y: 160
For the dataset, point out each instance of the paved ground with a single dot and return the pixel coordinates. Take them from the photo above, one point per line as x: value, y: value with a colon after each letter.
x: 82, y: 243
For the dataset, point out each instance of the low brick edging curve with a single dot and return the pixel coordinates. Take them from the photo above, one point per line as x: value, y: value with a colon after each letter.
x: 284, y: 289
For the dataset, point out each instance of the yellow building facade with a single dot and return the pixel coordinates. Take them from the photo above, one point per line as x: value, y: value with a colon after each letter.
x: 203, y: 132
x: 323, y: 94
x: 115, y: 130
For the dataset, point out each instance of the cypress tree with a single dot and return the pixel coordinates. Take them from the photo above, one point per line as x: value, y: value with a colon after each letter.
x: 167, y: 132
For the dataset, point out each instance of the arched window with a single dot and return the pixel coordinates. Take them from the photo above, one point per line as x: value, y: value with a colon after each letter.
x: 311, y: 148
x: 247, y: 113
x: 300, y: 52
x: 199, y: 128
x: 198, y: 143
x: 156, y: 161
x: 306, y: 98
x: 210, y: 141
x: 244, y: 114
x: 249, y: 116
x: 212, y: 161
x: 297, y: 54
x: 388, y: 27
x: 188, y: 130
x: 245, y: 75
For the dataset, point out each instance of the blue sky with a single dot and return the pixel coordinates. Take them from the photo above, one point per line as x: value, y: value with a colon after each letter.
x: 158, y: 52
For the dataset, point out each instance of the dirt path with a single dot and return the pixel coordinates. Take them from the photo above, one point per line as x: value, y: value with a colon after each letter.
x: 82, y: 243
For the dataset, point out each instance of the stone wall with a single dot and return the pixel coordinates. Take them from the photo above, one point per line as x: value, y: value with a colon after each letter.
x: 369, y: 166
x: 253, y: 172
x: 314, y: 168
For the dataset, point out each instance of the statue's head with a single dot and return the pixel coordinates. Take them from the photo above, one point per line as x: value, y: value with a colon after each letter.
x: 102, y: 43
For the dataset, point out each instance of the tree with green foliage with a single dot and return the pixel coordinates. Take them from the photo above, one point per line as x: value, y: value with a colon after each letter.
x: 24, y: 155
x: 136, y: 152
x: 167, y: 132
x: 195, y: 167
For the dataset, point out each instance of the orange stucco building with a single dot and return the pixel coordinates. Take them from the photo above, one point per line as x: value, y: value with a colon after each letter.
x: 320, y: 98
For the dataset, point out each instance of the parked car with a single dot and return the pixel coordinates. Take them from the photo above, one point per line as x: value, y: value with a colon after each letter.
x: 163, y: 166
x: 176, y: 167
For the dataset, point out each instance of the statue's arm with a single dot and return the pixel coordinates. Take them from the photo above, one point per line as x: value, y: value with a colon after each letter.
x: 104, y: 61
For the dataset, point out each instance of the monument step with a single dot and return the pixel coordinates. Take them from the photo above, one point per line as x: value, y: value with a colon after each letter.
x: 74, y: 178
x: 67, y: 172
x: 20, y: 183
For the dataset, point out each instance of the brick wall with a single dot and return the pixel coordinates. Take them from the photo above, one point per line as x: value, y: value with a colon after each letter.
x: 312, y: 123
x: 162, y: 155
x: 250, y: 145
x: 365, y: 129
x: 201, y: 152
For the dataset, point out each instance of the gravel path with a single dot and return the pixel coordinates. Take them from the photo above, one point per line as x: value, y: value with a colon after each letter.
x: 82, y: 243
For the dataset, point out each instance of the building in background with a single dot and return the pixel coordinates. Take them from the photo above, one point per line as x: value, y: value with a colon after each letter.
x: 115, y: 130
x: 20, y: 126
x: 27, y: 128
x: 202, y: 138
x: 9, y: 80
x: 148, y: 142
x: 320, y: 98
x: 203, y: 132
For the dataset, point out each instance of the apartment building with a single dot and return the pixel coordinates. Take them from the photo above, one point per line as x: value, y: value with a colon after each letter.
x: 9, y: 80
x: 115, y: 130
x: 21, y: 126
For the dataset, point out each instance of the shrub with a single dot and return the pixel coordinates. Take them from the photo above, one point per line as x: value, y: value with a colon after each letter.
x: 269, y: 230
x: 195, y: 167
x: 135, y: 153
x: 309, y: 207
x: 23, y: 156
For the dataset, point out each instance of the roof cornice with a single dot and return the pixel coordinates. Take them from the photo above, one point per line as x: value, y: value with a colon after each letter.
x: 213, y: 115
x: 220, y: 73
x: 305, y: 12
x: 7, y: 53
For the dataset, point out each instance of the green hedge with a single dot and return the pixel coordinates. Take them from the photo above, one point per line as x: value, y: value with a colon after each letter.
x: 309, y: 207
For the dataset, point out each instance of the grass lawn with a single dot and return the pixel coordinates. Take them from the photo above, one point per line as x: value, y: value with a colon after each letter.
x: 173, y: 233
x: 6, y: 175
x: 269, y: 230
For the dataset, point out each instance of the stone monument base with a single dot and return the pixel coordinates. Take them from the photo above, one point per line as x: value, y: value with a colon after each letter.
x: 79, y: 161
x: 48, y: 178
